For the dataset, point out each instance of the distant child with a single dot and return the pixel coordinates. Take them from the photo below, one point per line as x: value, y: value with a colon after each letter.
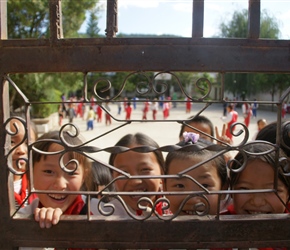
x: 188, y: 105
x: 135, y: 163
x: 145, y: 109
x: 230, y: 119
x: 247, y: 113
x: 256, y: 171
x: 128, y: 111
x: 108, y: 120
x: 71, y: 112
x: 90, y: 119
x: 19, y: 145
x: 99, y: 112
x: 261, y: 123
x: 203, y: 124
x: 166, y: 108
x: 207, y: 178
x: 254, y: 107
x: 154, y: 108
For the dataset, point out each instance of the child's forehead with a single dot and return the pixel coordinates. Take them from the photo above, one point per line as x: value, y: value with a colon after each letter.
x: 258, y: 168
x: 189, y: 161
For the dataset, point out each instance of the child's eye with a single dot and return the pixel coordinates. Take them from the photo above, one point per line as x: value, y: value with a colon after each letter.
x: 179, y: 185
x: 205, y: 185
x: 280, y: 190
x: 48, y: 171
x: 146, y: 170
x: 242, y: 188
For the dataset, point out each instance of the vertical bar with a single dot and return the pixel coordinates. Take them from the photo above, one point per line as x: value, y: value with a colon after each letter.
x: 4, y: 145
x: 55, y: 16
x: 222, y: 86
x: 112, y: 18
x: 3, y: 19
x: 254, y: 19
x: 197, y: 18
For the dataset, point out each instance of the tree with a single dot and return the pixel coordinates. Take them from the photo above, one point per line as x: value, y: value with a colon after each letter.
x: 30, y: 19
x: 92, y: 26
x: 237, y: 83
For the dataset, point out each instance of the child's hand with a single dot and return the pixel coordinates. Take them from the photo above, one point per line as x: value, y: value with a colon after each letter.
x: 47, y: 216
x: 223, y: 136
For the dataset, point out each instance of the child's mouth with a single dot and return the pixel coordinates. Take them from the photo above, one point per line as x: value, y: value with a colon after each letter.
x: 189, y: 212
x: 57, y: 197
x: 138, y: 196
x: 257, y: 212
x: 198, y: 208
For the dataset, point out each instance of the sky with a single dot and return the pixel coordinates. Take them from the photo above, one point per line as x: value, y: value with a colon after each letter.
x: 174, y: 16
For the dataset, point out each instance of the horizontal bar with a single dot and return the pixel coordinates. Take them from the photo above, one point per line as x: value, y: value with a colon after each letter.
x: 200, y: 55
x: 182, y: 232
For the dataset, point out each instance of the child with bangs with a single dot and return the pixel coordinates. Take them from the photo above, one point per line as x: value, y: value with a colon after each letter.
x: 257, y: 171
x: 137, y: 163
x: 59, y: 172
x: 48, y: 174
x: 252, y: 170
x: 209, y: 177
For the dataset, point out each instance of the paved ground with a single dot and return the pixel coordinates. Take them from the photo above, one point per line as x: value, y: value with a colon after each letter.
x: 164, y: 133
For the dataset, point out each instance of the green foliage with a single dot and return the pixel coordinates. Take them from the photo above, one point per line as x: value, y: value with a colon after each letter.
x: 74, y: 14
x: 92, y: 26
x: 269, y: 26
x: 27, y: 19
x: 237, y: 83
x: 30, y: 19
x: 237, y: 27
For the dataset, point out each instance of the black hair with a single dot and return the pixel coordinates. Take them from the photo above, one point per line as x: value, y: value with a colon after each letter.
x: 197, y: 119
x: 269, y: 156
x: 101, y: 177
x: 230, y: 106
x: 202, y: 148
x: 268, y: 133
x: 46, y: 140
x: 139, y: 139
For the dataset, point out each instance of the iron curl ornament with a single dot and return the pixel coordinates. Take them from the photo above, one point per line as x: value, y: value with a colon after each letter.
x: 13, y: 128
x: 150, y: 84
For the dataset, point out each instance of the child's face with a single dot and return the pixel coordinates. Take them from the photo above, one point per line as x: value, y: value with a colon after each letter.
x: 206, y: 175
x: 259, y: 175
x: 261, y: 124
x: 49, y: 176
x: 135, y: 163
x: 202, y: 127
x: 19, y: 152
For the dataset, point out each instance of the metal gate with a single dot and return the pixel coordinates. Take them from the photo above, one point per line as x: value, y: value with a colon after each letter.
x: 140, y: 55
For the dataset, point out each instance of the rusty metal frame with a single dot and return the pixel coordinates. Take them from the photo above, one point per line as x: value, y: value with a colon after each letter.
x: 195, y: 54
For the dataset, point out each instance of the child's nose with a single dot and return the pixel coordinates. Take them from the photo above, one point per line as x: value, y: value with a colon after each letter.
x: 258, y: 199
x: 60, y: 182
x: 199, y: 204
x: 135, y: 181
x: 21, y: 149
